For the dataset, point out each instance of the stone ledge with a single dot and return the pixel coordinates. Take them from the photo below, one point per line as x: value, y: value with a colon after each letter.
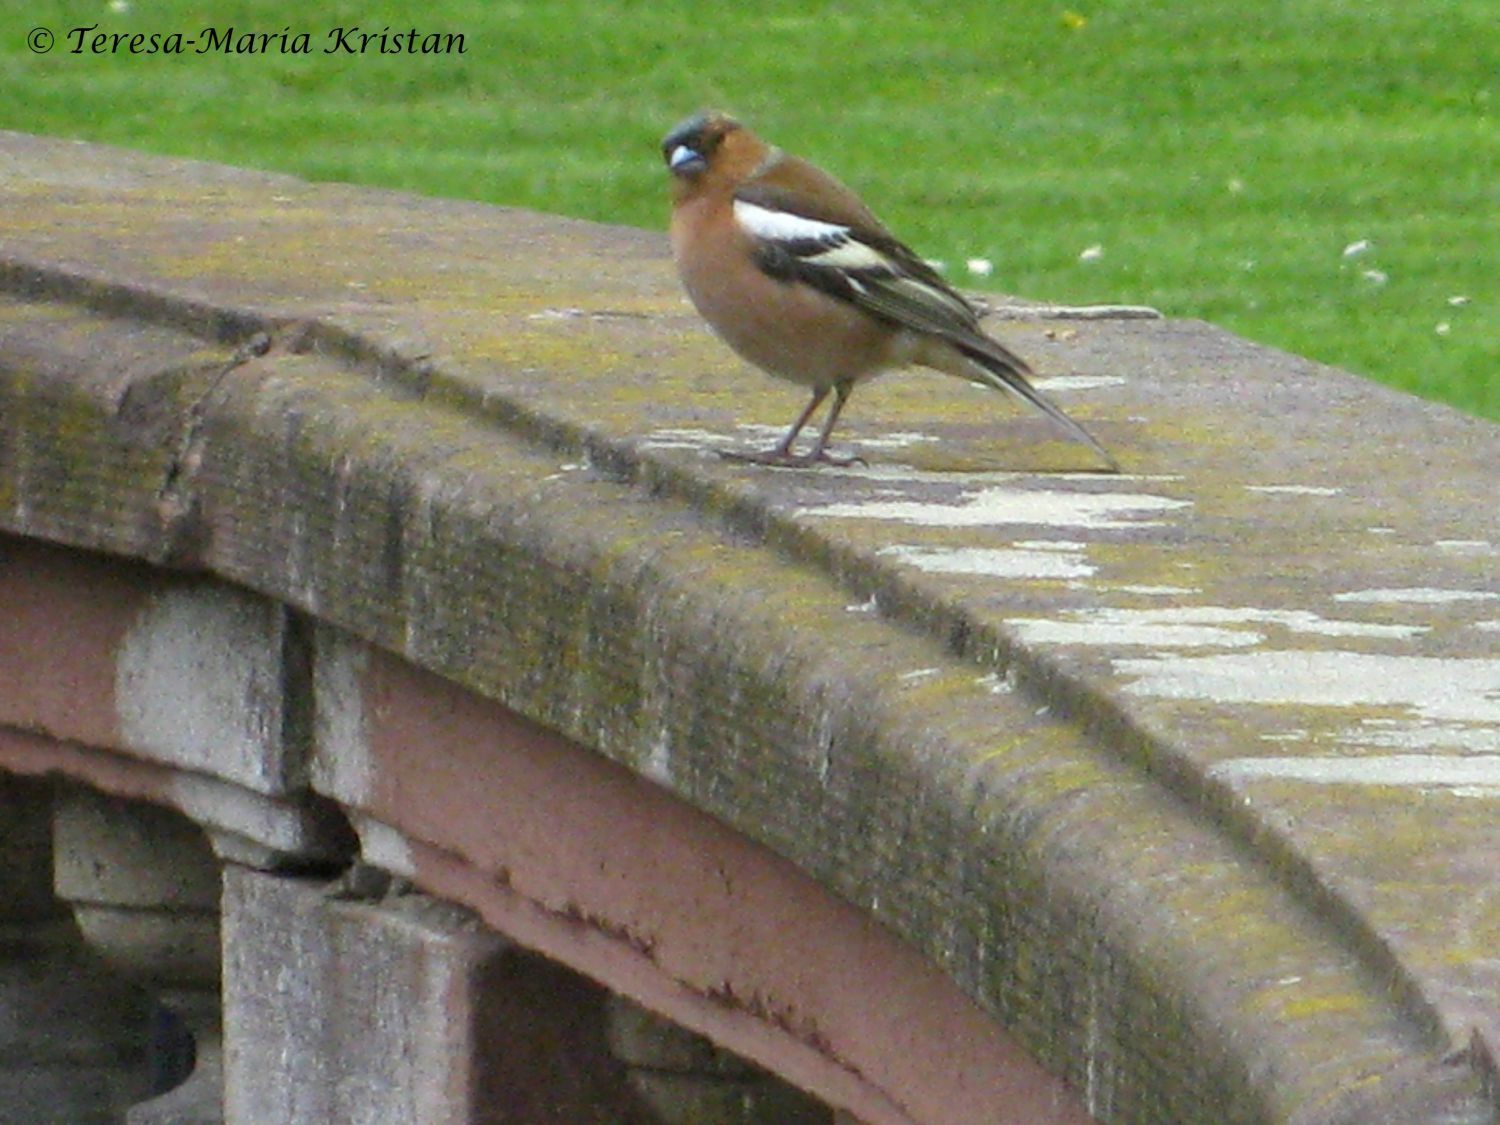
x: 1084, y: 742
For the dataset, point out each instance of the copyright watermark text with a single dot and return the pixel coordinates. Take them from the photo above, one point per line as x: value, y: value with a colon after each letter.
x: 356, y: 40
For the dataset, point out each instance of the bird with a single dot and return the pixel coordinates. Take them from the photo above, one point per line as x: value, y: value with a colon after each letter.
x: 796, y: 274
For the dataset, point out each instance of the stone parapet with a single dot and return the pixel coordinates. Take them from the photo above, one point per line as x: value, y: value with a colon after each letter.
x: 353, y: 525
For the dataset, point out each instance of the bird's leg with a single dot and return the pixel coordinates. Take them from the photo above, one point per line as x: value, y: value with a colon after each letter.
x: 819, y: 452
x: 782, y: 453
x: 784, y: 449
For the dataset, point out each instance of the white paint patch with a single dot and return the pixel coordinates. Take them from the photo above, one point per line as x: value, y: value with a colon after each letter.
x: 1394, y: 735
x: 783, y: 226
x: 1191, y: 627
x: 897, y: 439
x: 994, y: 562
x: 1416, y: 595
x: 997, y: 506
x: 682, y: 439
x: 1420, y: 770
x: 1078, y: 382
x: 907, y: 473
x: 1466, y: 546
x: 1051, y: 544
x: 1042, y: 630
x: 1294, y: 489
x: 760, y: 429
x: 1158, y: 591
x: 1438, y: 689
x: 198, y: 684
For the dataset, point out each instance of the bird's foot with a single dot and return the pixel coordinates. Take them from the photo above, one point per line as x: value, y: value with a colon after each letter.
x: 786, y: 459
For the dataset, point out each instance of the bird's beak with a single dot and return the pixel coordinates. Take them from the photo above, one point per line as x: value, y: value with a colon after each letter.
x: 685, y: 161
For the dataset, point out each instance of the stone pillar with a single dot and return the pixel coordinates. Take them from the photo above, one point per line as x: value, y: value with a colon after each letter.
x: 143, y: 885
x: 71, y: 1033
x: 345, y: 1010
x: 400, y: 1010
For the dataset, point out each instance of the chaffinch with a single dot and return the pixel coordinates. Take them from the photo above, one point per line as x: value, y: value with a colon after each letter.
x: 799, y: 277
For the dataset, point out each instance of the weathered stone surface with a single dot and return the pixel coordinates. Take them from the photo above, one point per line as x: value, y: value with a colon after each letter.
x: 143, y: 885
x: 192, y: 683
x: 1186, y: 774
x: 187, y: 672
x: 402, y: 1012
x: 581, y: 859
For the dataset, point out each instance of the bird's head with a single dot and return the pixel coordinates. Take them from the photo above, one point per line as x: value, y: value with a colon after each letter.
x: 689, y: 149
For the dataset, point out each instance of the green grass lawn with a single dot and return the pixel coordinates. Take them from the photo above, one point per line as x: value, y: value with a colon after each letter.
x: 1222, y: 156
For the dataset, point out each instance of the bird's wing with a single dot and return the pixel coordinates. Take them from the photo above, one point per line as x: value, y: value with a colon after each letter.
x: 849, y: 260
x: 835, y: 245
